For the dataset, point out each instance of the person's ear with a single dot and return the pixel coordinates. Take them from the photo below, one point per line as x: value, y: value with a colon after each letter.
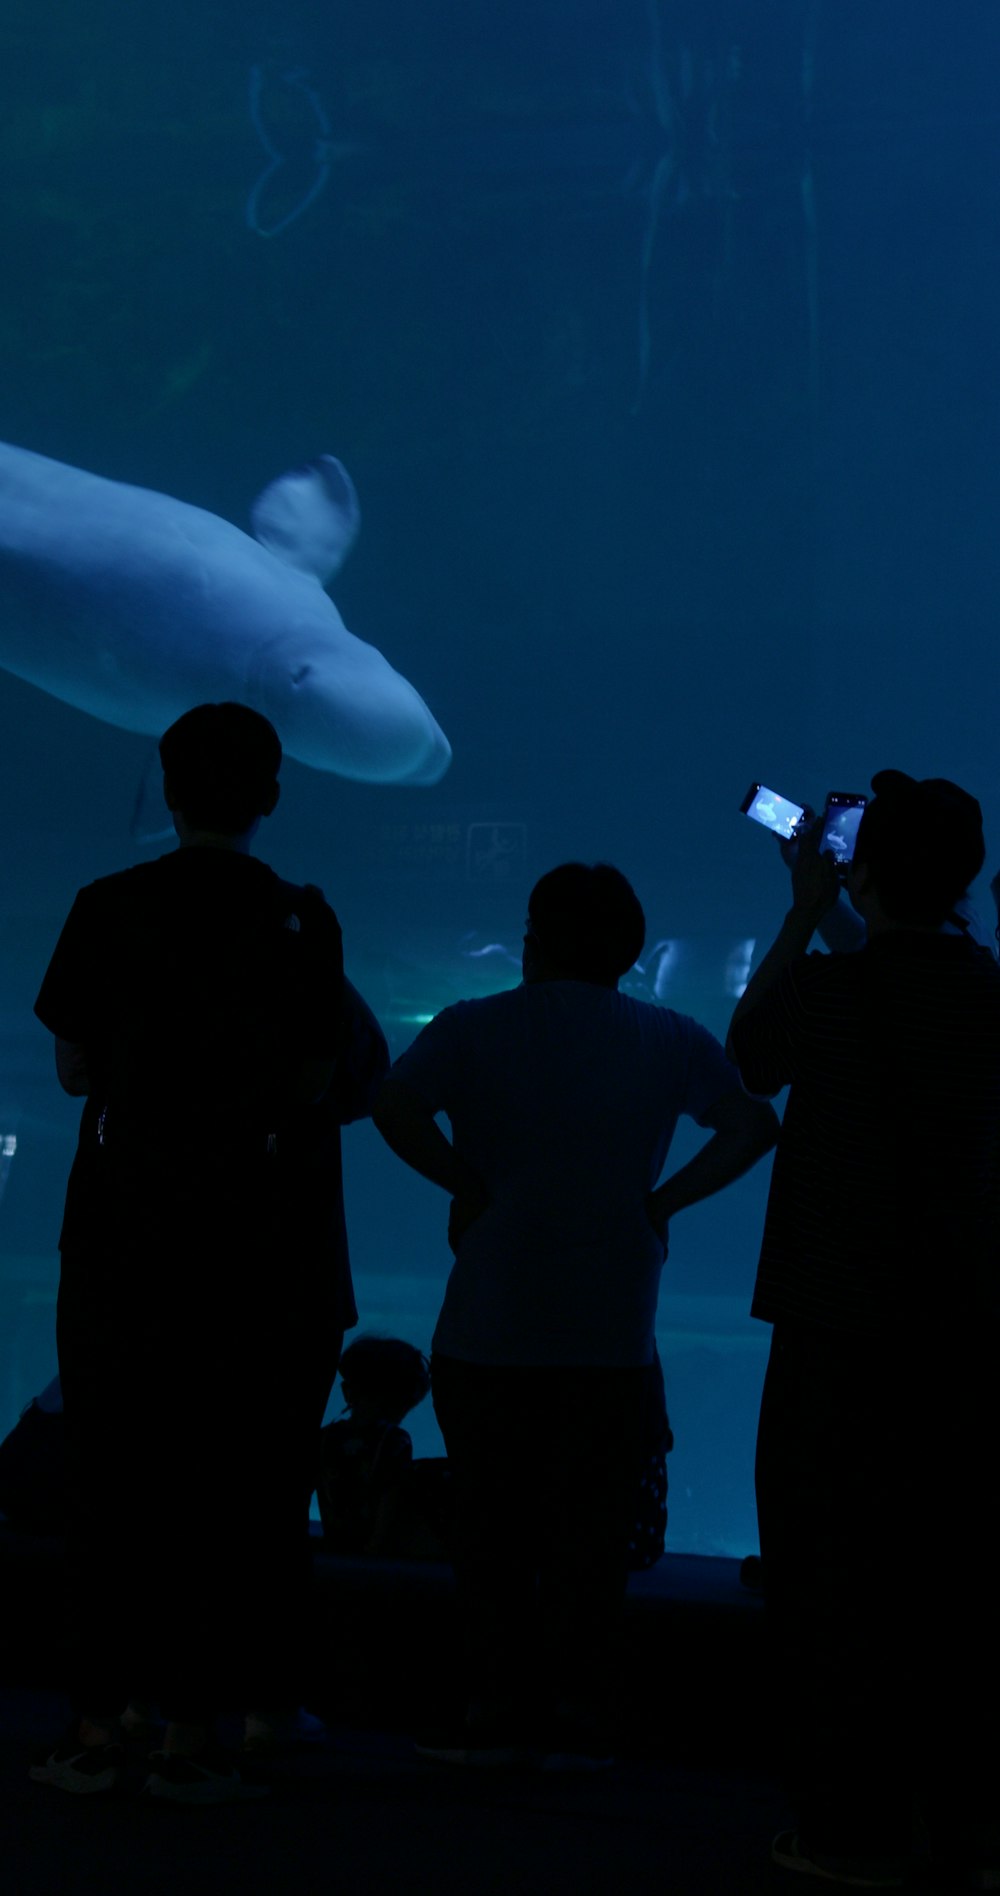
x: 169, y: 797
x: 272, y: 800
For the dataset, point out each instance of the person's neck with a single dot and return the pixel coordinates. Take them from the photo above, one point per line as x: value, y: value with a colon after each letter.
x: 188, y: 838
x: 208, y: 839
x: 538, y: 973
x: 366, y: 1414
x: 882, y: 925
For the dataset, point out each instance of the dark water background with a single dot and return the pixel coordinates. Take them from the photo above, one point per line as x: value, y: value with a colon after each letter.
x: 660, y: 341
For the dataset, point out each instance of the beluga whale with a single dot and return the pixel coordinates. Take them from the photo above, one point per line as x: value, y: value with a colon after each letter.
x: 135, y: 606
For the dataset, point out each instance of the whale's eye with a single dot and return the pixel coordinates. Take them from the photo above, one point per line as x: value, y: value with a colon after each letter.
x: 300, y: 674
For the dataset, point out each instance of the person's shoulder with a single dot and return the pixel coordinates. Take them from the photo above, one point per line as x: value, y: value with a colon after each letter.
x: 822, y: 980
x: 944, y: 953
x: 820, y: 970
x: 504, y: 997
x: 830, y: 964
x: 138, y: 875
x: 461, y: 1031
x: 812, y: 984
x: 649, y: 1017
x: 296, y: 894
x: 682, y: 1036
x: 484, y: 1009
x: 657, y: 1022
x: 122, y: 886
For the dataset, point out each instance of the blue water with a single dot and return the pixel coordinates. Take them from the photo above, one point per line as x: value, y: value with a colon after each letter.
x: 659, y: 341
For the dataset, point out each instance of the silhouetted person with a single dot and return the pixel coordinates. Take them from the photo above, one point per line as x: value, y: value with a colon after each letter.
x: 364, y: 1486
x: 199, y: 1005
x: 843, y: 930
x: 563, y: 1097
x: 878, y: 1442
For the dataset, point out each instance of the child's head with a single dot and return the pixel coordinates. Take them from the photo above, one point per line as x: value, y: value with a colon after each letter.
x: 384, y: 1373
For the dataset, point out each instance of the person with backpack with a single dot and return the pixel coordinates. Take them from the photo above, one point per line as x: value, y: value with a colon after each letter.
x: 200, y: 1009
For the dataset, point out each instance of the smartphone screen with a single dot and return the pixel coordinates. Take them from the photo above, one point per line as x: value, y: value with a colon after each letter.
x: 776, y: 813
x: 841, y: 817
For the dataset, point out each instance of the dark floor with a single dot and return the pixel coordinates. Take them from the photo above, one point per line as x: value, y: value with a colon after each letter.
x: 688, y: 1810
x: 363, y: 1815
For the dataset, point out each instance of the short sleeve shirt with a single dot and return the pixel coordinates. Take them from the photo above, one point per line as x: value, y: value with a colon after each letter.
x: 564, y: 1096
x: 212, y: 894
x: 208, y: 901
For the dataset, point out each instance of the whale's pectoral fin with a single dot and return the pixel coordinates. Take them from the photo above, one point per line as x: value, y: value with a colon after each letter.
x: 310, y: 517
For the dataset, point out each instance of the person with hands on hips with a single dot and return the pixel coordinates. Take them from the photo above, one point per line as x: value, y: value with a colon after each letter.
x: 563, y: 1096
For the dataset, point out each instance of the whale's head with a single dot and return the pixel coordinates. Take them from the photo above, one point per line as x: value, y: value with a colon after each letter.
x: 135, y: 606
x: 336, y: 702
x: 339, y: 706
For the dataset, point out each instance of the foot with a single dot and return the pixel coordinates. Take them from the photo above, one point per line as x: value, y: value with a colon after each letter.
x: 72, y: 1765
x: 496, y: 1749
x: 208, y: 1778
x: 849, y: 1872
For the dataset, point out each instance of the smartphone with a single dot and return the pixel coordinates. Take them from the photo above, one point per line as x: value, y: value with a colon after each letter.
x: 843, y: 812
x: 776, y: 813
